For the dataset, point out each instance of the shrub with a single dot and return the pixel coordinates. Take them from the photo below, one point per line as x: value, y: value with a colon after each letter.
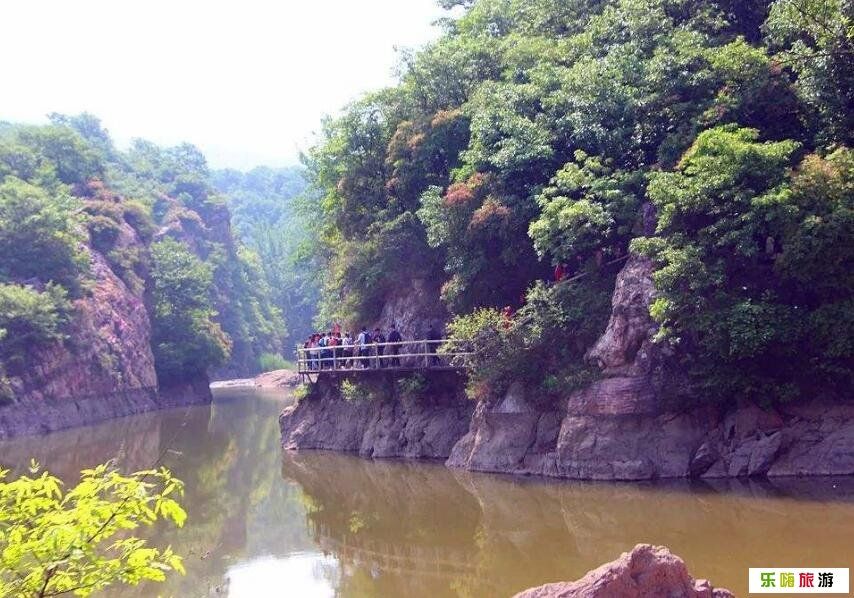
x: 412, y: 386
x: 129, y: 263
x: 351, y: 391
x: 301, y: 392
x: 365, y: 390
x: 29, y: 317
x: 542, y: 345
x: 139, y: 216
x: 103, y: 231
x: 186, y: 339
x: 76, y: 541
x: 40, y: 236
x: 273, y: 361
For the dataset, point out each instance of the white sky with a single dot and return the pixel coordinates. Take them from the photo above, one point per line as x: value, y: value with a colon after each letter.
x: 245, y: 80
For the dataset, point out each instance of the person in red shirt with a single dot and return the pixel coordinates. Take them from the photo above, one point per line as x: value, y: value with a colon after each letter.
x: 560, y: 272
x: 507, y: 316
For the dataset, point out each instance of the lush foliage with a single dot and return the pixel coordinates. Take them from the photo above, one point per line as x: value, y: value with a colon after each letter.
x: 269, y: 208
x: 544, y: 133
x: 29, y: 317
x: 76, y: 541
x: 66, y: 193
x: 186, y: 338
x: 43, y: 262
x: 540, y: 346
x: 755, y: 265
x: 39, y: 235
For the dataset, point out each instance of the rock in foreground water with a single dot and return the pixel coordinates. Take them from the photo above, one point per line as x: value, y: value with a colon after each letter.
x: 646, y: 571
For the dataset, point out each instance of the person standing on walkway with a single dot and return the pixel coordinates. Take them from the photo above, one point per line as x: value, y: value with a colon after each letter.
x: 362, y: 341
x: 325, y: 353
x: 433, y: 335
x: 314, y: 351
x: 335, y: 343
x: 347, y: 351
x: 394, y: 337
x: 378, y: 339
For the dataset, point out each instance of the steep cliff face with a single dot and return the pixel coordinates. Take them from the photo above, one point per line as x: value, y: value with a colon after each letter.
x: 108, y: 346
x: 413, y: 309
x: 624, y: 426
x: 104, y: 369
x: 382, y: 420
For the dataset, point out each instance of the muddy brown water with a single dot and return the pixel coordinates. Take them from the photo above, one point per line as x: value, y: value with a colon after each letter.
x: 319, y: 524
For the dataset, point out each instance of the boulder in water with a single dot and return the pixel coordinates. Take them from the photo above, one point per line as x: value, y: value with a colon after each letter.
x: 646, y: 571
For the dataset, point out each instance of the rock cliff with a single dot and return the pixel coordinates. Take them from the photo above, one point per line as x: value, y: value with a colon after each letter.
x: 381, y: 420
x: 624, y: 426
x: 412, y: 309
x: 105, y: 368
x: 645, y: 571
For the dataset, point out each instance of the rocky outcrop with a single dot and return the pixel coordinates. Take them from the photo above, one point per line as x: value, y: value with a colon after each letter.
x: 277, y: 379
x: 382, y: 420
x: 412, y: 309
x: 624, y: 426
x: 645, y: 571
x: 618, y: 350
x: 104, y: 370
x: 513, y: 435
x: 815, y: 438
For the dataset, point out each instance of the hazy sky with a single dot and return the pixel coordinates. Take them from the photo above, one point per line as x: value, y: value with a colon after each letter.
x: 245, y: 80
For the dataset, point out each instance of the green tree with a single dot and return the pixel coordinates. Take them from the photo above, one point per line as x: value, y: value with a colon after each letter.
x: 40, y: 235
x: 186, y: 338
x: 29, y: 318
x: 815, y: 38
x: 587, y: 208
x: 735, y: 266
x: 73, y: 160
x: 75, y: 542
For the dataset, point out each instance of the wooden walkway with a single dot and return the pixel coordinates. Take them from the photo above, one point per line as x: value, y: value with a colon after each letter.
x: 402, y: 356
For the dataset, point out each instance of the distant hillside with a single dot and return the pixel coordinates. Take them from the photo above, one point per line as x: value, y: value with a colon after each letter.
x: 116, y: 265
x: 272, y: 217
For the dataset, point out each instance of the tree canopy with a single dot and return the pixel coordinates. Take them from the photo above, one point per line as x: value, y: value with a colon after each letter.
x: 533, y: 134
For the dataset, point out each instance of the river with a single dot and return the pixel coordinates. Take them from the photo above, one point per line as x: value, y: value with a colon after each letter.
x: 317, y: 524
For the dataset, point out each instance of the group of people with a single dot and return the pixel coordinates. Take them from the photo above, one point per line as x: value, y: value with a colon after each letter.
x: 337, y: 350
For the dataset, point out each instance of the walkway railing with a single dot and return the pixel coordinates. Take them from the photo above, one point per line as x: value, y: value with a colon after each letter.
x: 401, y: 355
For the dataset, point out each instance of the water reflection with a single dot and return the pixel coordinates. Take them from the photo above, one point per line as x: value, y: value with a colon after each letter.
x: 318, y: 524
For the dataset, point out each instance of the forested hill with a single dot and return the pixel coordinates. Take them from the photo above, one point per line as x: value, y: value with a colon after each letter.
x: 712, y: 136
x: 271, y: 211
x: 88, y: 233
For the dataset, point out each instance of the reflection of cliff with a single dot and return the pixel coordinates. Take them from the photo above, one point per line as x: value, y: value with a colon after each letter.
x: 133, y: 442
x: 419, y: 530
x: 388, y: 523
x: 227, y: 454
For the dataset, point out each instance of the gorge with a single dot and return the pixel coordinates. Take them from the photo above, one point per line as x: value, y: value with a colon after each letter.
x: 626, y: 226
